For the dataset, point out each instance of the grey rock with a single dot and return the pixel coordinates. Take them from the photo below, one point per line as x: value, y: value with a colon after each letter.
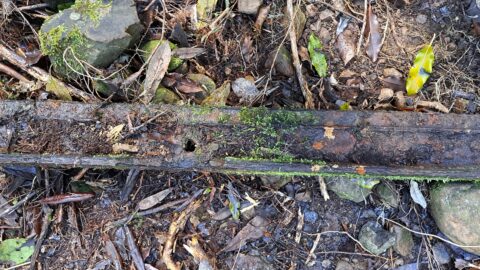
x: 454, y: 207
x: 310, y: 216
x: 375, y: 239
x: 349, y: 189
x: 440, y: 253
x: 97, y: 34
x: 245, y: 90
x: 343, y: 265
x: 404, y: 241
x: 421, y: 19
x: 248, y: 262
x: 387, y: 195
x: 274, y: 181
x: 304, y: 196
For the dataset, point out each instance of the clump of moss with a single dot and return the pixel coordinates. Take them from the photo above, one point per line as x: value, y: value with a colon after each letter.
x: 268, y: 128
x: 148, y: 48
x: 93, y: 9
x: 65, y: 49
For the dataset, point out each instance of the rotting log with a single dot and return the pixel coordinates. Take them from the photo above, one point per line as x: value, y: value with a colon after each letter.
x: 393, y: 145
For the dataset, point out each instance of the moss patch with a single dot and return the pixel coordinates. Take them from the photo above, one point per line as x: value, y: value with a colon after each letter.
x: 94, y: 10
x: 65, y: 48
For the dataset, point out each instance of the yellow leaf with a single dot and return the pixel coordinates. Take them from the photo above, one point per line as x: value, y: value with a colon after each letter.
x: 205, y: 9
x: 421, y: 69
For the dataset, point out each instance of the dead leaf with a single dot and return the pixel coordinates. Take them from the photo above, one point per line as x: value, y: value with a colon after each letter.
x: 399, y: 100
x: 374, y: 37
x: 303, y: 53
x: 188, y: 53
x: 252, y: 231
x: 66, y: 198
x: 157, y: 67
x: 346, y: 43
x: 417, y: 195
x: 123, y: 147
x: 386, y: 94
x: 219, y: 96
x: 247, y: 49
x: 188, y: 86
x: 395, y: 83
x: 199, y: 255
x: 262, y: 15
x: 154, y: 199
x: 432, y: 105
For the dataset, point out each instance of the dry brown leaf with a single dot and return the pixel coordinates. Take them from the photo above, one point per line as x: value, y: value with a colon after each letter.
x: 154, y: 199
x: 374, y: 37
x: 188, y: 86
x: 385, y: 94
x: 432, y: 105
x: 346, y: 42
x: 253, y: 230
x: 262, y: 15
x: 157, y: 67
x: 394, y: 83
x: 188, y: 53
x: 247, y: 48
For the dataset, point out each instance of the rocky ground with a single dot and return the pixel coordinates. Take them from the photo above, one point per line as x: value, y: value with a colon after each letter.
x: 222, y: 53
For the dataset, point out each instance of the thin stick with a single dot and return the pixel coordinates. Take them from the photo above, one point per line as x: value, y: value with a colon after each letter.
x: 32, y: 7
x: 323, y: 188
x: 312, y: 250
x: 296, y: 60
x: 9, y: 71
x: 364, y: 24
x: 42, y: 75
x: 46, y: 223
x: 430, y: 235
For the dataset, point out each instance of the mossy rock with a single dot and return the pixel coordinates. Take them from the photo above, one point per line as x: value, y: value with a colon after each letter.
x: 165, y: 96
x: 90, y: 32
x: 454, y: 207
x: 147, y: 50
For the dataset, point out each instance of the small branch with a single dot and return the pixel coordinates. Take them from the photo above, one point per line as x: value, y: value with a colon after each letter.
x: 46, y: 223
x: 296, y: 60
x: 173, y: 230
x: 323, y: 188
x: 9, y: 71
x: 42, y: 75
x: 364, y: 24
x: 32, y: 7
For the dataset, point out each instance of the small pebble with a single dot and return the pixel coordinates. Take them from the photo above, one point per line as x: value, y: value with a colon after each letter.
x: 421, y: 19
x: 310, y: 216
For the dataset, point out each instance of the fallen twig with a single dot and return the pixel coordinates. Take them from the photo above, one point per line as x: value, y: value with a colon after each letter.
x: 173, y: 230
x: 17, y: 205
x: 47, y: 211
x: 364, y: 24
x: 301, y: 221
x: 296, y: 60
x: 9, y: 71
x: 323, y: 188
x: 42, y: 75
x: 430, y: 235
x: 134, y: 252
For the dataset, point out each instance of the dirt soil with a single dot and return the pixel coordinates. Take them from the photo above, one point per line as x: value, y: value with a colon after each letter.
x: 287, y: 219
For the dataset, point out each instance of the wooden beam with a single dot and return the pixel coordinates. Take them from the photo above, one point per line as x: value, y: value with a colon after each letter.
x: 395, y: 145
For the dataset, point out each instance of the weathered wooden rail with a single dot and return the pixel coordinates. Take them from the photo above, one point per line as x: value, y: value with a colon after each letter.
x: 395, y: 145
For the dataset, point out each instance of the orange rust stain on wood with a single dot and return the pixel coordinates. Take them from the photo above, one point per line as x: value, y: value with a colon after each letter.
x: 361, y: 170
x: 318, y: 145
